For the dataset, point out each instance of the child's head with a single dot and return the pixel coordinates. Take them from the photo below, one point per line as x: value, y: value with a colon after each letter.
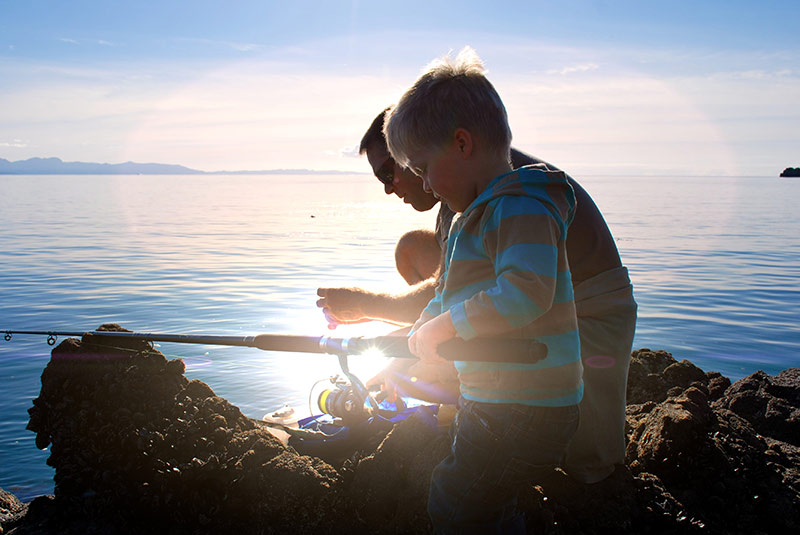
x: 450, y: 94
x: 451, y: 129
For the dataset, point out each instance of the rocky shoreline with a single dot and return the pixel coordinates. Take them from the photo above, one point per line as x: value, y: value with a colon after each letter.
x: 139, y: 448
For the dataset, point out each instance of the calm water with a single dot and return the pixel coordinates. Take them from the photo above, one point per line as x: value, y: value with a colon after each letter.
x: 714, y: 261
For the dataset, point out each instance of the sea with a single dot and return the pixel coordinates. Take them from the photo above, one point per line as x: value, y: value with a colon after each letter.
x: 715, y: 264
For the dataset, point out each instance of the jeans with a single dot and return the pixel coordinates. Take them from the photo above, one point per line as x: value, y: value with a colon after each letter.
x: 497, y: 449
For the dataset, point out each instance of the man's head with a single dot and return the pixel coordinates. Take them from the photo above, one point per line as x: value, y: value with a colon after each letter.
x: 451, y: 126
x: 395, y: 179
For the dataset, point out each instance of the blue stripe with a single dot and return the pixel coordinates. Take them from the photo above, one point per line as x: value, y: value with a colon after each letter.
x: 539, y: 258
x: 513, y: 304
x: 466, y: 292
x: 434, y: 307
x: 564, y: 291
x: 562, y: 349
x: 571, y: 398
x: 458, y: 314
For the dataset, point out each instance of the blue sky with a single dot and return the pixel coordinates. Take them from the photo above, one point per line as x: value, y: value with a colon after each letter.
x: 596, y: 87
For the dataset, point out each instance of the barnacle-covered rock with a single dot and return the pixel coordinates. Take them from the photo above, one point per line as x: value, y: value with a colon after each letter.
x: 132, y: 438
x: 139, y: 448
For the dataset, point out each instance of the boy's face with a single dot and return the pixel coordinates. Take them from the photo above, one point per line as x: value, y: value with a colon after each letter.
x: 442, y: 172
x: 401, y: 182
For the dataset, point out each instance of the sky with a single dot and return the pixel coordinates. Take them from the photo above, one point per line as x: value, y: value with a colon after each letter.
x: 595, y: 87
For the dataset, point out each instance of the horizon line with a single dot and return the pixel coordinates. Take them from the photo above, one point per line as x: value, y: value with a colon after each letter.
x: 178, y: 169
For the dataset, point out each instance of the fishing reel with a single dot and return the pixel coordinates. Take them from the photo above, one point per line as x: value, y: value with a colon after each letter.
x: 342, y: 400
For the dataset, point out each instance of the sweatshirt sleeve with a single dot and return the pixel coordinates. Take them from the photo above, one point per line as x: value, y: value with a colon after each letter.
x: 525, y: 241
x: 431, y: 310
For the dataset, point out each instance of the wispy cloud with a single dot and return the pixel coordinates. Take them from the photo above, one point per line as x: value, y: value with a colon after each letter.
x: 587, y: 110
x: 231, y: 45
x: 349, y: 152
x: 246, y: 114
x: 16, y: 143
x: 101, y: 42
x: 572, y: 69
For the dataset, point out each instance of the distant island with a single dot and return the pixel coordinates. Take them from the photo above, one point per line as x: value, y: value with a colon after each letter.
x: 791, y: 171
x: 55, y: 166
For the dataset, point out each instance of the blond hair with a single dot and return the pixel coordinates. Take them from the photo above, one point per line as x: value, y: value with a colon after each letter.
x: 450, y: 94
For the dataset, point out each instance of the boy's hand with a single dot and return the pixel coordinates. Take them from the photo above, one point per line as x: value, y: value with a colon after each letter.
x: 341, y: 305
x: 425, y: 373
x: 424, y: 342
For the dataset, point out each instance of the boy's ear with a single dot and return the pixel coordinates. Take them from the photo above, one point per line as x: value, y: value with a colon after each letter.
x: 463, y: 141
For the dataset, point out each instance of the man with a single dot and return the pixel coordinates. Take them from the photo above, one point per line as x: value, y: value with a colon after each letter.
x: 417, y: 255
x: 604, y: 303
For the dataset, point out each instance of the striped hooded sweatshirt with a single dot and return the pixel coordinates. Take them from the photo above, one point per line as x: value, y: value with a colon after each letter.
x: 506, y: 275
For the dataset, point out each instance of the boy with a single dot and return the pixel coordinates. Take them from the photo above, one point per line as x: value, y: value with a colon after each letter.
x: 505, y: 274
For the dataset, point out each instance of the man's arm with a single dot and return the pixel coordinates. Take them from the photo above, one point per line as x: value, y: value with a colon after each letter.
x: 356, y: 305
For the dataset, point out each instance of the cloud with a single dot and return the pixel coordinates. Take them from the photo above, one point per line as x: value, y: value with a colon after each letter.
x: 574, y: 68
x: 101, y: 42
x: 289, y: 107
x: 248, y: 114
x: 233, y: 45
x: 244, y: 47
x: 350, y: 151
x: 17, y: 143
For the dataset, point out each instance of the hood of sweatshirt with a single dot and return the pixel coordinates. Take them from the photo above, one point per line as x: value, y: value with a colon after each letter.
x: 550, y: 187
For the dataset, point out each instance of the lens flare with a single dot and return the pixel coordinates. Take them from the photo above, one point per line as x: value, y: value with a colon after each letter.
x: 600, y: 362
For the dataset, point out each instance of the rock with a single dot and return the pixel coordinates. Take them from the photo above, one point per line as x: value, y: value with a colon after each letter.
x: 136, y: 444
x: 791, y: 171
x: 653, y: 374
x: 10, y: 508
x: 717, y: 385
x: 390, y: 487
x: 770, y: 404
x: 711, y: 459
x: 138, y: 448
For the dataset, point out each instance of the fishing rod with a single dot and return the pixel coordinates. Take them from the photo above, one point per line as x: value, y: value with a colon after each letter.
x: 478, y: 349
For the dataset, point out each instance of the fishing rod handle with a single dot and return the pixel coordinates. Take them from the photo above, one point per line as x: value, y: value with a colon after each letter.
x: 515, y: 350
x: 478, y: 349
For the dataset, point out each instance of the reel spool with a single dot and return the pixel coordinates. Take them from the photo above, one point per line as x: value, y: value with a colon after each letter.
x: 341, y: 400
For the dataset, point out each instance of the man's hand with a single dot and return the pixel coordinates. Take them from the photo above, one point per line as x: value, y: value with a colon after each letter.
x: 342, y: 305
x: 425, y: 340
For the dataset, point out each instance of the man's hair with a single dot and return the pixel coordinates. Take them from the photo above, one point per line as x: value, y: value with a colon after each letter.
x: 450, y: 94
x: 374, y: 134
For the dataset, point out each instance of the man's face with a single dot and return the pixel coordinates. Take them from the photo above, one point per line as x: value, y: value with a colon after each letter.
x: 401, y: 182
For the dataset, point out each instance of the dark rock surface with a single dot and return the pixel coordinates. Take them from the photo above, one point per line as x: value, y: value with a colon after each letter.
x: 138, y: 448
x: 791, y: 171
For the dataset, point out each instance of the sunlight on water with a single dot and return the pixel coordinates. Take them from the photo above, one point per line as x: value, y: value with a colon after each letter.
x: 714, y: 262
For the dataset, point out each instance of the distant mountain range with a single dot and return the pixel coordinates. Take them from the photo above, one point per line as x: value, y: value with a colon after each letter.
x: 55, y: 166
